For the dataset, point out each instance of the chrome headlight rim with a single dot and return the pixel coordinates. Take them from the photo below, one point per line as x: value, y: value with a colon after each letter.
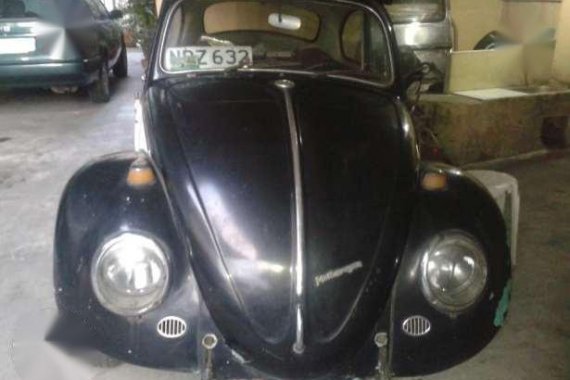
x: 479, y: 282
x: 145, y: 240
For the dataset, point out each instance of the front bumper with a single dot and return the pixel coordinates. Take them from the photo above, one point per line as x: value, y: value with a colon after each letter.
x: 47, y: 74
x: 137, y: 342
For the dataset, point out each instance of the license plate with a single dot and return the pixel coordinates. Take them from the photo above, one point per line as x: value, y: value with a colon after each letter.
x: 17, y: 45
x: 207, y: 57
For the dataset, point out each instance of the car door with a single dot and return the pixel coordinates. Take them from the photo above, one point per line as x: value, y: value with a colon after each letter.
x: 109, y: 33
x: 115, y: 32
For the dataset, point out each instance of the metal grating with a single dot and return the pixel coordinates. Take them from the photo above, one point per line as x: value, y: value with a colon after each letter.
x: 171, y: 327
x: 416, y: 326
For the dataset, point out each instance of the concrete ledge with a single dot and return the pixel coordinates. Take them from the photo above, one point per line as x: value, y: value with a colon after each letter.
x: 471, y: 130
x: 532, y: 157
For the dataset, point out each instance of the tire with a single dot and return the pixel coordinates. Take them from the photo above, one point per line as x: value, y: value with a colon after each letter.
x: 492, y: 41
x: 121, y: 69
x: 100, y: 90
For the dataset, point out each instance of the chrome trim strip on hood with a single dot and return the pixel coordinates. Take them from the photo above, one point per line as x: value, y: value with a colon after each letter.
x: 299, y: 227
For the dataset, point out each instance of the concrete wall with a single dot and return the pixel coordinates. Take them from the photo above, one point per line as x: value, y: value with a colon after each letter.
x: 471, y: 130
x: 523, y: 20
x: 474, y: 19
x: 520, y: 20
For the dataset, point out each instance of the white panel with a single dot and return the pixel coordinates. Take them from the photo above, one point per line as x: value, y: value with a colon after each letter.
x: 561, y: 64
x: 17, y: 45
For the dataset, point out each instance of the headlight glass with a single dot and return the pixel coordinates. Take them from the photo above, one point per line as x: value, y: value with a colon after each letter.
x: 454, y: 272
x: 130, y: 274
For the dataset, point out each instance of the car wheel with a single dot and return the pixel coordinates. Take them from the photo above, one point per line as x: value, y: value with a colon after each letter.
x: 100, y: 90
x: 121, y: 69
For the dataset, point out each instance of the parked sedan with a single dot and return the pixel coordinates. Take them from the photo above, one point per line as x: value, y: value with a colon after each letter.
x: 61, y: 44
x: 276, y: 220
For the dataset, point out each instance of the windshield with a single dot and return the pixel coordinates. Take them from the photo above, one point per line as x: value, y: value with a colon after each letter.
x: 407, y: 11
x: 306, y: 36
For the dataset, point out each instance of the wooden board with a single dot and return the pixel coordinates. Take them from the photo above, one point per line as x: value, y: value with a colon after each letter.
x: 481, y: 69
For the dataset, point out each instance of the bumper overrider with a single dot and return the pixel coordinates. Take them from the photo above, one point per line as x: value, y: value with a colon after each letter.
x: 107, y: 208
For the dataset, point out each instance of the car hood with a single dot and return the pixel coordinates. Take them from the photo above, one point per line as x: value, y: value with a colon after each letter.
x: 226, y: 149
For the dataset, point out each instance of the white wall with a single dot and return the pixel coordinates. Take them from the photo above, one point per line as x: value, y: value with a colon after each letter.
x: 561, y: 68
x: 117, y: 4
x: 521, y: 20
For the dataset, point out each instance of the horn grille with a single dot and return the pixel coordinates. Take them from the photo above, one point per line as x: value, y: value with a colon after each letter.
x: 416, y: 326
x: 171, y: 327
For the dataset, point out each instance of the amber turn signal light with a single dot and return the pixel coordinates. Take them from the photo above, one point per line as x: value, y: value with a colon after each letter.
x: 141, y: 173
x: 434, y: 181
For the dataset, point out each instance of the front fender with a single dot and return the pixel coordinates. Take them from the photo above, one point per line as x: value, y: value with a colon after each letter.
x: 464, y: 204
x: 99, y: 204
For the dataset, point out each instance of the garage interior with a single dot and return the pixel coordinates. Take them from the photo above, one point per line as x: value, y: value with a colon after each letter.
x: 501, y: 108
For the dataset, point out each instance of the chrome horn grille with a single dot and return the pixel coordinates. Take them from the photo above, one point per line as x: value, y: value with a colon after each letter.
x: 171, y: 327
x: 416, y: 326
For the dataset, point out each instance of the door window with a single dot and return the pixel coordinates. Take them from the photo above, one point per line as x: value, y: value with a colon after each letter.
x: 362, y: 42
x: 98, y: 9
x: 102, y: 9
x: 78, y: 10
x: 352, y: 37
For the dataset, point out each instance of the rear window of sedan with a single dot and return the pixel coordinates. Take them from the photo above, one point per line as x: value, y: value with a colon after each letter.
x: 42, y: 9
x: 56, y: 11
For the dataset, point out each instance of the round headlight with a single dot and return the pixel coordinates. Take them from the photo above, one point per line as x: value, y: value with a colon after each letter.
x: 454, y: 272
x: 130, y: 274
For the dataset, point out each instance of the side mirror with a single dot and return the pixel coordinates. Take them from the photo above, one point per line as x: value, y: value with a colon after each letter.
x: 116, y: 14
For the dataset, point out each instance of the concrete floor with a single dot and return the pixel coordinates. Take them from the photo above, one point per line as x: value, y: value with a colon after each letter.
x: 44, y: 138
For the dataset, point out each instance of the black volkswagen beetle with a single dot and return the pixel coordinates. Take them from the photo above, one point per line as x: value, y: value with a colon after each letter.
x: 277, y: 221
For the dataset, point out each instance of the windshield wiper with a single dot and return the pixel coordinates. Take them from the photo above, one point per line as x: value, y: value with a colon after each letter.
x: 347, y: 72
x: 236, y: 67
x: 225, y: 70
x: 249, y: 65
